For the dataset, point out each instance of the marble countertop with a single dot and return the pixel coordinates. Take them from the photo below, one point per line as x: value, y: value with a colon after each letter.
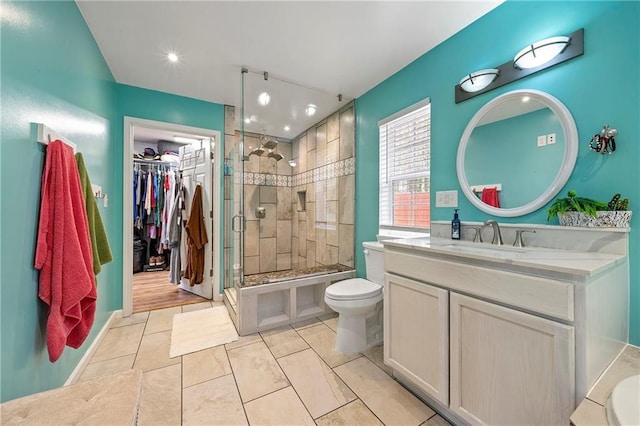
x: 579, y: 263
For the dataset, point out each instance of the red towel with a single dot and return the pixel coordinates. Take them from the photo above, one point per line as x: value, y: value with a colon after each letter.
x: 490, y: 196
x: 63, y: 253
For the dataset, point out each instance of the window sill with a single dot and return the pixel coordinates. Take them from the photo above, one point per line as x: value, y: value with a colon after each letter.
x: 392, y: 234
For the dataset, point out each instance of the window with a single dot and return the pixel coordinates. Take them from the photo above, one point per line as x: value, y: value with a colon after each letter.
x: 405, y: 155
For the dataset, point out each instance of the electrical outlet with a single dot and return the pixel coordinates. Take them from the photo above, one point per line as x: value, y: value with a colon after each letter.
x: 542, y: 140
x: 447, y: 198
x: 551, y: 139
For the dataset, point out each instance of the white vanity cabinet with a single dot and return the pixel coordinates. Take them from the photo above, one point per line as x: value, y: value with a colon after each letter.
x: 501, y: 339
x: 416, y: 337
x: 509, y: 367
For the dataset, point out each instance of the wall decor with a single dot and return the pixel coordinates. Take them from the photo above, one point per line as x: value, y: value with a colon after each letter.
x: 604, y: 142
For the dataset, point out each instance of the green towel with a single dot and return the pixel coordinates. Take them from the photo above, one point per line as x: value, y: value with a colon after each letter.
x: 99, y: 242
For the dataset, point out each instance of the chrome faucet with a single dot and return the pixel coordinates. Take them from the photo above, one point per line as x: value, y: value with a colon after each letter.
x: 519, y: 242
x: 477, y: 238
x: 497, y: 237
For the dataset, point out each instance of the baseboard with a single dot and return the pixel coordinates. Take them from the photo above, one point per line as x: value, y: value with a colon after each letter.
x: 77, y: 372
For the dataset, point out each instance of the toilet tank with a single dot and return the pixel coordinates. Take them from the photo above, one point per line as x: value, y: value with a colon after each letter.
x: 374, y: 260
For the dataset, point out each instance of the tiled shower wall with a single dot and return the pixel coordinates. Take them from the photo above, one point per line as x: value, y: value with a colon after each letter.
x: 323, y: 228
x: 293, y: 235
x: 267, y: 184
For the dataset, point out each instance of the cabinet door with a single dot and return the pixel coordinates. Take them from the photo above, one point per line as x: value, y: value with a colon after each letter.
x: 508, y: 367
x: 416, y: 334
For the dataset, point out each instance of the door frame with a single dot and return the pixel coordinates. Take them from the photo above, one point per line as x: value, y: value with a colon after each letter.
x: 127, y: 203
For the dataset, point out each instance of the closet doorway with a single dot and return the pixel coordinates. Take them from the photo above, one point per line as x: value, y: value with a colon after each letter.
x: 164, y: 166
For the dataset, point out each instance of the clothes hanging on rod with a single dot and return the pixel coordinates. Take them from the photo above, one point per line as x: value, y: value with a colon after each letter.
x: 154, y: 186
x: 175, y: 232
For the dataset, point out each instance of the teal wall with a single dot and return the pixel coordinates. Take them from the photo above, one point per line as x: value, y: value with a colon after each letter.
x: 158, y: 106
x: 52, y: 72
x: 504, y: 148
x: 600, y: 87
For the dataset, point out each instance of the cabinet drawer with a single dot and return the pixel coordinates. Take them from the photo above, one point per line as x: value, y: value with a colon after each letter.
x: 541, y: 295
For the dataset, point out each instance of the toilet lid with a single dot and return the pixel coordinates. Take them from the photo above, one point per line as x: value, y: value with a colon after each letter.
x: 622, y: 407
x: 355, y: 288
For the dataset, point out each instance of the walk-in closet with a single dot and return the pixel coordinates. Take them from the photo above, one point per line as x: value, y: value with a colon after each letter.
x: 158, y: 219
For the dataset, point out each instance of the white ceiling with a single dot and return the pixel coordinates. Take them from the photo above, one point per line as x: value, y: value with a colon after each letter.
x: 313, y: 51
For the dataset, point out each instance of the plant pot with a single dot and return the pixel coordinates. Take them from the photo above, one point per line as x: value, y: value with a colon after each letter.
x: 605, y: 219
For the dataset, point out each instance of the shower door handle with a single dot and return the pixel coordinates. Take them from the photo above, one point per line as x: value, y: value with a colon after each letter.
x: 243, y: 223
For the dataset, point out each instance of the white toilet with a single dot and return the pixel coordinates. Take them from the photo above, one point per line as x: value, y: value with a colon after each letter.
x: 359, y: 304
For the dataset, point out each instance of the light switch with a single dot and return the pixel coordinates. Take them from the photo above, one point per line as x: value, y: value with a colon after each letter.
x: 542, y: 140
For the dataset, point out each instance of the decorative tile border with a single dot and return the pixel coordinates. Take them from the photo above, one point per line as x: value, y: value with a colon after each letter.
x: 319, y: 174
x: 329, y: 171
x: 265, y: 179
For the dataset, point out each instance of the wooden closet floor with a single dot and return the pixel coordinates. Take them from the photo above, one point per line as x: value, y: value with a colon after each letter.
x: 152, y: 290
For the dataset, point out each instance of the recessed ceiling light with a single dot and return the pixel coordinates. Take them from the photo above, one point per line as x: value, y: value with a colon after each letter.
x: 264, y: 98
x: 172, y: 57
x: 310, y: 110
x: 287, y: 128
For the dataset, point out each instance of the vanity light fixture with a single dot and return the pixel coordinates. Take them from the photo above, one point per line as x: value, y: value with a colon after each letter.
x: 536, y: 57
x: 478, y: 80
x: 540, y: 52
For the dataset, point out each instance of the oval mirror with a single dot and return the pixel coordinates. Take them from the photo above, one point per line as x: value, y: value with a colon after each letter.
x: 524, y: 143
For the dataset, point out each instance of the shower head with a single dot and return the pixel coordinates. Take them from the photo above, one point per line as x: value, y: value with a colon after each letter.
x: 257, y: 151
x: 270, y: 144
x: 275, y: 155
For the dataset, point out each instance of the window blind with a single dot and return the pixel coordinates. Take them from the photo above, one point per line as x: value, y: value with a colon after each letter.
x: 405, y: 154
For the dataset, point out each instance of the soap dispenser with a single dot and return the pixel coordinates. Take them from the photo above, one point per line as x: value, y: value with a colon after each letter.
x: 455, y: 226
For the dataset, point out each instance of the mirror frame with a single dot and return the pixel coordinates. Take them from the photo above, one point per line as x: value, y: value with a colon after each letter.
x: 568, y: 162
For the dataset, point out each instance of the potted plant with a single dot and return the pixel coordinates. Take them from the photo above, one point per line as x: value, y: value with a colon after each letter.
x: 580, y: 211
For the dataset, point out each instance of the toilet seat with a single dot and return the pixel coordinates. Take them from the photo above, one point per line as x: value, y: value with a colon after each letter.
x: 353, y: 289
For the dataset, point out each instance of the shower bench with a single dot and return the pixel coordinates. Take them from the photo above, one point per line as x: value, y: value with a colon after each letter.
x: 274, y: 304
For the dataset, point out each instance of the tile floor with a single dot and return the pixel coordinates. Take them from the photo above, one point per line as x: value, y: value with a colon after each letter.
x: 591, y: 411
x: 287, y: 376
